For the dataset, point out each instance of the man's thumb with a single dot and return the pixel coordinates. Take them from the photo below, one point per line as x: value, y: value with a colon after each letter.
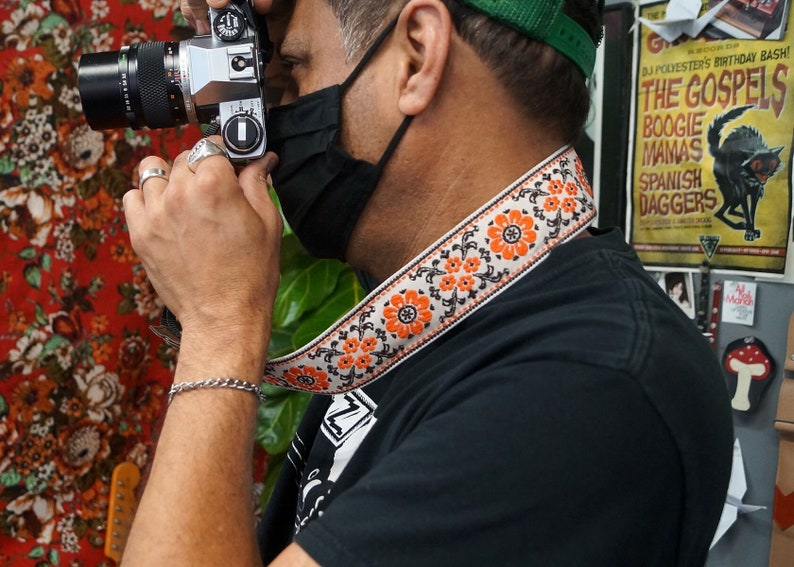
x: 254, y: 181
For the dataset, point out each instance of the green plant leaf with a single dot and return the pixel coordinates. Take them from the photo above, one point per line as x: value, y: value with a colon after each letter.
x: 312, y: 295
x: 274, y: 466
x: 278, y: 420
x: 292, y: 252
x: 280, y: 341
x: 304, y: 289
x: 348, y: 293
x: 275, y: 392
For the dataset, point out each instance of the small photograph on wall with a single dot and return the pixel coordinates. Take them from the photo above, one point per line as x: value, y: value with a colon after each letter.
x: 679, y: 288
x: 749, y: 19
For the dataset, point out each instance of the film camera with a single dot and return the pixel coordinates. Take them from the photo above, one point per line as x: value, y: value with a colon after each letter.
x: 215, y: 79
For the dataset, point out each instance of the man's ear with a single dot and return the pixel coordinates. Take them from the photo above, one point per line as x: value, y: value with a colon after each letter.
x: 424, y: 31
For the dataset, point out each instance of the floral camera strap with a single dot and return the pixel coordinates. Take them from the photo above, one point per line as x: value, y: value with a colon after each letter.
x: 486, y: 253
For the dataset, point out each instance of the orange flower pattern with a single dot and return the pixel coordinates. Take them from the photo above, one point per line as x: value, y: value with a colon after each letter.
x: 582, y: 176
x: 82, y: 379
x: 348, y: 358
x: 555, y: 187
x: 450, y: 280
x: 465, y: 283
x: 407, y: 313
x: 472, y: 264
x: 309, y: 378
x: 513, y: 233
x: 27, y: 78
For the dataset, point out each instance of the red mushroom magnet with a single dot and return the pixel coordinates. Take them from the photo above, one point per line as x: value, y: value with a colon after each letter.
x: 750, y: 368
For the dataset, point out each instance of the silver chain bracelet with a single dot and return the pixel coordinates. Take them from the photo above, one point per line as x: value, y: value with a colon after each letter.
x: 217, y: 383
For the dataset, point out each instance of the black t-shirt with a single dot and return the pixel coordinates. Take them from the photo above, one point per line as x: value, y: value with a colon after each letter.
x: 579, y: 418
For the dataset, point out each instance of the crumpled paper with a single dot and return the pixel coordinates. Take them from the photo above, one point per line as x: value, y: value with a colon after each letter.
x: 681, y: 17
x: 733, y: 501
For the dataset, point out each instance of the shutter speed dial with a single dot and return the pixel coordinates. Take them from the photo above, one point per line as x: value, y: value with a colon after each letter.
x: 229, y: 25
x: 242, y: 133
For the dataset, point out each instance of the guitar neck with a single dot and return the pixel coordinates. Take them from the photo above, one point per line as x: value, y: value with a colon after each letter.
x: 121, y: 511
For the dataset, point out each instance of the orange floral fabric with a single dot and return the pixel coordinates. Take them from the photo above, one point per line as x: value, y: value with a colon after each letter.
x: 82, y: 379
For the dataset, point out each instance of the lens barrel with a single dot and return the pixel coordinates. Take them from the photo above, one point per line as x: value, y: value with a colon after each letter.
x: 137, y: 86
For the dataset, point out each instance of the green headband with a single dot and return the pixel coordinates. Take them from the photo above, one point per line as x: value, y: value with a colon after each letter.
x: 543, y: 20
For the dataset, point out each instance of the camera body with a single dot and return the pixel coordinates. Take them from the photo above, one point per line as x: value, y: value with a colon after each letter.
x: 215, y: 79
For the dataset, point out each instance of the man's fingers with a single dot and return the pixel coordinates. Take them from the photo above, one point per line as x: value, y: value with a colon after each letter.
x: 264, y: 6
x: 153, y: 175
x: 134, y: 213
x: 254, y: 181
x: 255, y: 174
x: 196, y: 14
x: 196, y: 11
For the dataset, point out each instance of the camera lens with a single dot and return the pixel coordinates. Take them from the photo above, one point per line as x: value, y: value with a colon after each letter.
x: 138, y: 86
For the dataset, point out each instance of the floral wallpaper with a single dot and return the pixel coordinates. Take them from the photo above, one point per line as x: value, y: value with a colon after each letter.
x: 83, y: 381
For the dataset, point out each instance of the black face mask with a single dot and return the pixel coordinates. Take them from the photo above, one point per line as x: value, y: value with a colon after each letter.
x: 323, y: 189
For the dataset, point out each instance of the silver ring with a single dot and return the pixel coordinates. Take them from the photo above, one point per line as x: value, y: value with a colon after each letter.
x: 149, y: 173
x: 204, y: 148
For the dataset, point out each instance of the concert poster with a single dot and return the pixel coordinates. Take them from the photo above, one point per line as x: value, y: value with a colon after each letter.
x: 712, y: 128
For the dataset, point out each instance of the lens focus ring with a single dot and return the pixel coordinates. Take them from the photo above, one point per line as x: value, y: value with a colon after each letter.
x: 153, y: 85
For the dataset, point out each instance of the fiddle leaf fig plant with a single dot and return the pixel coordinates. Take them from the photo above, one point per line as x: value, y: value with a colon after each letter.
x: 312, y: 295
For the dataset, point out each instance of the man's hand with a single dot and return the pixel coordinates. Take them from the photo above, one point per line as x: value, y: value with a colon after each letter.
x: 195, y: 11
x: 209, y: 241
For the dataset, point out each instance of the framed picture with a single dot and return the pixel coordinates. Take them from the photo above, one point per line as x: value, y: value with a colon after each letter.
x: 680, y: 289
x: 695, y: 106
x: 604, y: 147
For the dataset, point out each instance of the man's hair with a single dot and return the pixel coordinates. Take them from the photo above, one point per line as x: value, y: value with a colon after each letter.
x: 545, y: 84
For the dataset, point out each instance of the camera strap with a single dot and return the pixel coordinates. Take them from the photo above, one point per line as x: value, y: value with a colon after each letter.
x: 485, y: 254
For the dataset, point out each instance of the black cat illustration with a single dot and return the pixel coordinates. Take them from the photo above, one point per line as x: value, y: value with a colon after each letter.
x: 743, y: 163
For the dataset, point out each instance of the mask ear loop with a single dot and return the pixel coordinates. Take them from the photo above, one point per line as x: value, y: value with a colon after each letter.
x: 394, y: 141
x: 357, y: 71
x: 368, y: 55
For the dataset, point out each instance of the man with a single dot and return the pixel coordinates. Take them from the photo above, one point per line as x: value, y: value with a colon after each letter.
x: 517, y: 391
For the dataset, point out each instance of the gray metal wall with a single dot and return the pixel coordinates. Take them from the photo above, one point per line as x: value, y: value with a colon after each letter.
x: 746, y: 544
